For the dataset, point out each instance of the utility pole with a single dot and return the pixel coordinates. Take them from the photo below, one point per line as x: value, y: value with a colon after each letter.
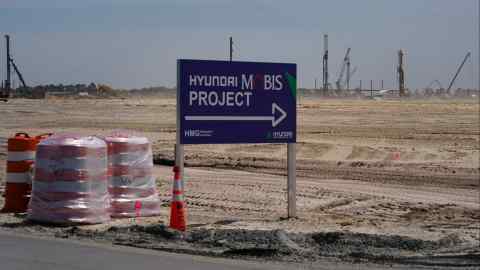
x: 231, y: 48
x: 325, y: 65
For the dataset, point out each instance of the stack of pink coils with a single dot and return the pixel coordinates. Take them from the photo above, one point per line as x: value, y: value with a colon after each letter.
x: 132, y: 187
x: 70, y: 181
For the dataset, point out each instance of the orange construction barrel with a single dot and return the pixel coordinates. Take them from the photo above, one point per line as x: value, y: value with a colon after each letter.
x: 70, y: 182
x: 20, y: 159
x: 131, y: 185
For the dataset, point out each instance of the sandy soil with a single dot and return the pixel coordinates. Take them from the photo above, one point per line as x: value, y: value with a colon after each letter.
x: 393, y: 168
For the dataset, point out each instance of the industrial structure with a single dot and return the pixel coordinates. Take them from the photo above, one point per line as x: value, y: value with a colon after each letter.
x: 345, y: 65
x: 458, y: 72
x: 325, y: 65
x: 342, y: 82
x: 401, y: 73
x: 7, y: 86
x: 350, y: 75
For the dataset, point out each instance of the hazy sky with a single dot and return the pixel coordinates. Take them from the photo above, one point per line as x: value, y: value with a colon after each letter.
x: 136, y: 43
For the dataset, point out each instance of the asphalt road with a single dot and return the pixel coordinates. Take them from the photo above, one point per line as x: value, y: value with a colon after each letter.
x: 20, y: 252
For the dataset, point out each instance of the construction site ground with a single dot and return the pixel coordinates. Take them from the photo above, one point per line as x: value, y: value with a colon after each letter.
x: 378, y: 181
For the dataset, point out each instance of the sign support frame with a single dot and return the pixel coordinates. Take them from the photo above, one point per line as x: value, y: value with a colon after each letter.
x: 179, y: 151
x: 291, y: 181
x: 291, y: 157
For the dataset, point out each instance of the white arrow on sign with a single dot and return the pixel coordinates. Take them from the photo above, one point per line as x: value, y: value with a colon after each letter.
x: 275, y: 121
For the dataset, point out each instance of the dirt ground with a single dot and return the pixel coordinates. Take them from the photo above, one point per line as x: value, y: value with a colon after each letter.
x: 390, y: 168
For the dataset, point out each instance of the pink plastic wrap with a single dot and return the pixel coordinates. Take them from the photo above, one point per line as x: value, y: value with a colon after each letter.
x: 70, y: 181
x: 132, y: 186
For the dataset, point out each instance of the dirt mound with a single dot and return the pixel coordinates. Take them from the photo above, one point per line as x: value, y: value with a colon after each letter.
x: 278, y: 245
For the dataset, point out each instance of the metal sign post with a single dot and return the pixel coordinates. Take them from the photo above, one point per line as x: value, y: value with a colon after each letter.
x: 178, y: 146
x: 220, y: 102
x: 291, y: 180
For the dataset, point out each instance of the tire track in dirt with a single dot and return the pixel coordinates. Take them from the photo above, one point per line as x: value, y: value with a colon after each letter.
x: 347, y: 203
x: 416, y: 174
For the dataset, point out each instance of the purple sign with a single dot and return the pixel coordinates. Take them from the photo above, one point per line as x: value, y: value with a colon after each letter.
x: 236, y: 102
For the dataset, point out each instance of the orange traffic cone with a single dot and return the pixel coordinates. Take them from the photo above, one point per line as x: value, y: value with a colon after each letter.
x: 177, y: 207
x: 20, y: 158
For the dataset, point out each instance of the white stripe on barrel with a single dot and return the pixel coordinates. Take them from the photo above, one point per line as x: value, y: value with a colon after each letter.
x: 20, y: 156
x: 92, y: 163
x: 72, y: 186
x: 19, y: 178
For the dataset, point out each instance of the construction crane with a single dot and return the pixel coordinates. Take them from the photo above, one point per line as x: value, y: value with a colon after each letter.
x: 349, y: 76
x: 345, y: 63
x: 458, y: 72
x: 325, y: 65
x: 5, y: 93
x: 20, y: 77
